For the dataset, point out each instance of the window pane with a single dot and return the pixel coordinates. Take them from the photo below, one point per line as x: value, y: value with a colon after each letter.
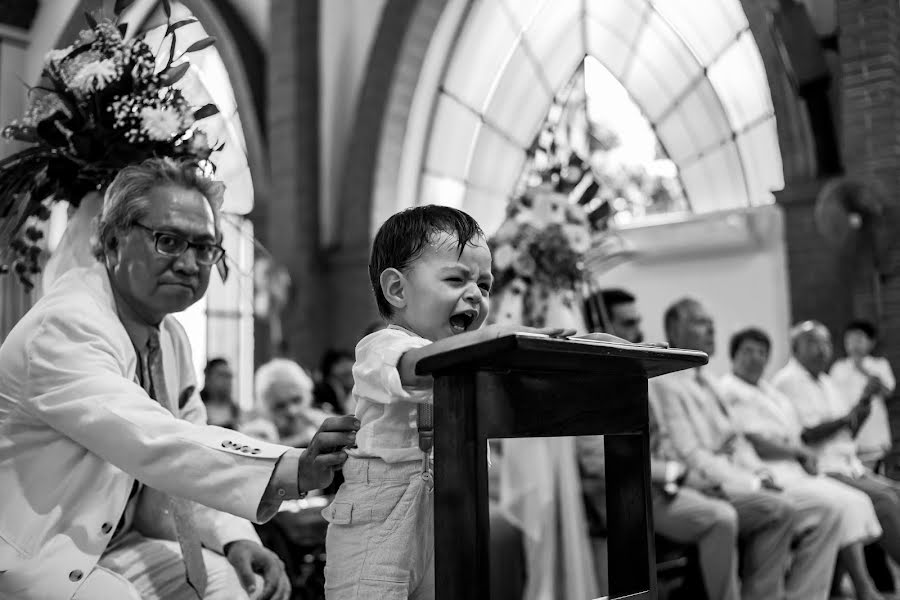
x: 762, y: 160
x: 608, y: 46
x: 524, y: 11
x: 739, y: 78
x: 698, y: 123
x: 715, y: 182
x: 442, y: 190
x: 484, y: 45
x: 707, y: 26
x: 558, y: 18
x: 496, y: 162
x: 624, y: 17
x: 663, y: 67
x: 563, y: 58
x: 486, y: 208
x: 520, y: 101
x: 451, y: 138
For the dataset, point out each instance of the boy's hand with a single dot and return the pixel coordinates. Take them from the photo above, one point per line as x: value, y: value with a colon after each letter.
x: 498, y: 330
x: 608, y: 337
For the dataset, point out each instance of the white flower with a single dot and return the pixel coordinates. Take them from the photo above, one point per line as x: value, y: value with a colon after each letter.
x: 55, y: 56
x: 160, y: 124
x: 578, y: 237
x: 94, y: 76
x: 199, y: 143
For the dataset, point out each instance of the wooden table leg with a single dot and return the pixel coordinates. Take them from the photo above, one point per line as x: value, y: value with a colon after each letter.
x: 461, y: 520
x: 632, y: 557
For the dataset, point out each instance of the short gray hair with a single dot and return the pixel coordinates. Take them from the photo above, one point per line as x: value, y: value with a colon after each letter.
x: 126, y: 200
x: 804, y: 329
x: 279, y: 369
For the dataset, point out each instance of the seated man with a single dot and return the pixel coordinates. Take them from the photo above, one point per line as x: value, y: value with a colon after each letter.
x: 681, y: 514
x: 98, y: 407
x: 769, y: 422
x: 851, y: 374
x: 830, y: 421
x: 698, y: 430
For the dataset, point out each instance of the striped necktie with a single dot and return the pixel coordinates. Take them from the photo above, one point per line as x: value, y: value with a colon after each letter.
x: 181, y: 509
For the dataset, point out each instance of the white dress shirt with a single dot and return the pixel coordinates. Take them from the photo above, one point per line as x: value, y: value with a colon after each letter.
x: 873, y: 440
x: 816, y: 401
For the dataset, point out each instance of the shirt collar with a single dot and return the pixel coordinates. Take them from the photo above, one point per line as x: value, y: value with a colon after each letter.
x: 138, y: 331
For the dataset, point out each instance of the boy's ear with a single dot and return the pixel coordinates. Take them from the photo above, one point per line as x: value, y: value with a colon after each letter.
x: 393, y: 286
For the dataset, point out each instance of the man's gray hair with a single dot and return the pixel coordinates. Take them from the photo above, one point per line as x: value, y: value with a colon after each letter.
x: 280, y: 370
x: 127, y: 198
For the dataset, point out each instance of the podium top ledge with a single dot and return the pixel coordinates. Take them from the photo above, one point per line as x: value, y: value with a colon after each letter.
x: 525, y: 351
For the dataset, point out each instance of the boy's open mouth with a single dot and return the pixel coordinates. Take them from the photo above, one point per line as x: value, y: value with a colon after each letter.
x: 462, y: 321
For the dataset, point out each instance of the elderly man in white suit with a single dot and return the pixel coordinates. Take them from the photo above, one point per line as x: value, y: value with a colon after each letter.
x: 113, y: 486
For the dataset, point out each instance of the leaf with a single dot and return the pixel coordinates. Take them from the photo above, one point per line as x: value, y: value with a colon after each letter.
x: 121, y: 5
x: 179, y: 24
x: 201, y: 44
x: 173, y: 74
x: 91, y: 21
x: 167, y: 8
x: 207, y: 110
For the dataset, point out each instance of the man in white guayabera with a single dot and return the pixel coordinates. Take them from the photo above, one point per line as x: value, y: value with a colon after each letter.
x: 113, y: 484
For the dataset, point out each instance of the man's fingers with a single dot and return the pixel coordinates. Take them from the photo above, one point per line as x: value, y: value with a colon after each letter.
x: 344, y: 423
x: 331, y: 460
x: 284, y: 589
x: 330, y: 441
x: 244, y: 570
x: 272, y: 571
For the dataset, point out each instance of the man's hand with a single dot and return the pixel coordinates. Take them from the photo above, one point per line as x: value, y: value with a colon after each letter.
x: 808, y: 461
x: 768, y: 482
x: 325, y: 452
x: 248, y: 559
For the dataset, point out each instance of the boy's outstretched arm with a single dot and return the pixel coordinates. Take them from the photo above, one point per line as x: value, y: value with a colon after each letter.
x: 407, y: 364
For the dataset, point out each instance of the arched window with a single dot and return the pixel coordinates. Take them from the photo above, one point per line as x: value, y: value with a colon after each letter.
x: 692, y: 70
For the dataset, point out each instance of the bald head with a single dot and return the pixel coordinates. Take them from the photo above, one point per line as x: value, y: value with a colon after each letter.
x: 811, y: 346
x: 688, y: 325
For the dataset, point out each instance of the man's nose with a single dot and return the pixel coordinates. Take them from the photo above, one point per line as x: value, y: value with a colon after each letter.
x: 187, y: 262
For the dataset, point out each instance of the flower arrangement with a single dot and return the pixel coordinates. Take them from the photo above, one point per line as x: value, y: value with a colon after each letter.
x: 103, y: 103
x: 539, y: 249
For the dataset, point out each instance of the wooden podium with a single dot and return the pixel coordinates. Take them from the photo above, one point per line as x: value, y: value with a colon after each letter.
x: 524, y: 385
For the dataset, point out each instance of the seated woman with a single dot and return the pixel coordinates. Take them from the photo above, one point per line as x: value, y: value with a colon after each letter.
x: 283, y: 411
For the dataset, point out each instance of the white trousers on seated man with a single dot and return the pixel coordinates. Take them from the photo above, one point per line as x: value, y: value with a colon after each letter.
x: 140, y: 568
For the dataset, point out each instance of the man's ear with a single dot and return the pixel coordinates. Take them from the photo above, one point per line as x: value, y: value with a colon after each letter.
x: 111, y: 251
x: 393, y: 286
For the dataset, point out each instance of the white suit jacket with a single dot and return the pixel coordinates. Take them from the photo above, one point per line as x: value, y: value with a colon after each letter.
x: 76, y: 430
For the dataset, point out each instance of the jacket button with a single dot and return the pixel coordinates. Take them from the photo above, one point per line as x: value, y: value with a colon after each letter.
x: 76, y: 575
x: 106, y: 528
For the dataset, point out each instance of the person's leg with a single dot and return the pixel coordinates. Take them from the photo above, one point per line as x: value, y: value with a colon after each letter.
x: 765, y: 525
x: 817, y: 528
x: 156, y: 569
x: 694, y: 518
x: 852, y: 559
x: 885, y: 496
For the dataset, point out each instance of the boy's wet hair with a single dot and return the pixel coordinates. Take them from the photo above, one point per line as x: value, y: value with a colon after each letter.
x: 402, y: 238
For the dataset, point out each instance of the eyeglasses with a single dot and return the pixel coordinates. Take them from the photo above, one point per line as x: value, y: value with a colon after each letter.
x: 169, y: 244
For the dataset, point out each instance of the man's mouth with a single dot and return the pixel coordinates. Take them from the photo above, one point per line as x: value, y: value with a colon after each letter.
x: 461, y: 321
